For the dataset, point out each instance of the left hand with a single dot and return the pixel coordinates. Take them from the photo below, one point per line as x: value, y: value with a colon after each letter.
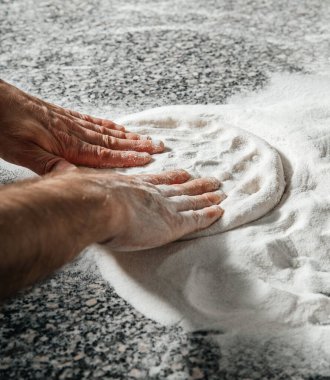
x: 42, y: 136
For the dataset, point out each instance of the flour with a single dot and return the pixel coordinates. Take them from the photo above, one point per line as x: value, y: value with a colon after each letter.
x: 10, y: 173
x: 270, y: 276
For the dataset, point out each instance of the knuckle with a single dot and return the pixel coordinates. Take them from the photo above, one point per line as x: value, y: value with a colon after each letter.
x: 50, y: 164
x: 99, y: 151
x: 112, y: 141
x: 105, y: 140
x: 69, y: 112
x: 100, y: 129
x: 196, y: 217
x: 209, y: 198
x: 109, y: 140
x: 104, y: 154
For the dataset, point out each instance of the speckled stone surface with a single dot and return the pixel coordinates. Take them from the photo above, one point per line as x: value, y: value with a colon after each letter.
x: 109, y: 57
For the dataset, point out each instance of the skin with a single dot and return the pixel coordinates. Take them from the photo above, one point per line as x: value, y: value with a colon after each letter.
x: 47, y: 221
x: 42, y: 136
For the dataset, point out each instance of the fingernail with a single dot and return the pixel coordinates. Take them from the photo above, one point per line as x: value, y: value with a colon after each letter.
x: 158, y: 143
x: 223, y: 196
x: 158, y: 146
x: 143, y: 137
x: 146, y: 156
x: 221, y: 210
x: 218, y: 198
x: 215, y: 181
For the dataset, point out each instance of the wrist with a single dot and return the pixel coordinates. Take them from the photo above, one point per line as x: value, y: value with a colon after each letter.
x: 87, y: 203
x: 5, y: 91
x: 44, y: 224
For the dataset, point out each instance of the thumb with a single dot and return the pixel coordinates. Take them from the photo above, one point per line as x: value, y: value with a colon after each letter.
x: 62, y: 165
x: 41, y: 161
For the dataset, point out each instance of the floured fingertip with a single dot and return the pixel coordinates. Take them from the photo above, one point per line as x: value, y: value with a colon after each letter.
x: 214, y: 181
x: 144, y: 137
x: 221, y: 210
x: 220, y: 194
x: 141, y: 158
x: 158, y: 146
x: 214, y: 211
x: 130, y: 159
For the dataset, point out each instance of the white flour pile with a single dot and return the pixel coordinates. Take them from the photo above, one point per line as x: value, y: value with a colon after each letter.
x: 271, y: 275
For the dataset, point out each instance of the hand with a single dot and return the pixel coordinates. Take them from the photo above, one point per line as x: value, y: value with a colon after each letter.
x: 42, y: 136
x: 46, y: 222
x: 146, y: 211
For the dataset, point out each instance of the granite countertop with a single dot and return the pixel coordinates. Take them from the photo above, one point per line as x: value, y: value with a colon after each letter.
x: 109, y: 57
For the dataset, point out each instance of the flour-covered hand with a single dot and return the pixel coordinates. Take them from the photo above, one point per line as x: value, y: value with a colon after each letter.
x: 42, y: 136
x: 147, y: 211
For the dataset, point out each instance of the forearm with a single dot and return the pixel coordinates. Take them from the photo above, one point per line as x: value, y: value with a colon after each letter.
x: 44, y: 224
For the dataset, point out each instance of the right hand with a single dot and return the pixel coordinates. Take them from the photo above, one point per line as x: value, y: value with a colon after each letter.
x: 146, y: 211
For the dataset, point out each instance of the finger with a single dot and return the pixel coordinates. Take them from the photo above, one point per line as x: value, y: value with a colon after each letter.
x: 76, y: 125
x: 114, y: 143
x: 85, y: 121
x: 186, y: 202
x: 95, y: 120
x: 99, y: 129
x: 98, y: 135
x: 67, y: 112
x: 194, y: 221
x: 168, y: 178
x: 194, y: 187
x: 110, y: 132
x: 99, y: 157
x: 106, y: 127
